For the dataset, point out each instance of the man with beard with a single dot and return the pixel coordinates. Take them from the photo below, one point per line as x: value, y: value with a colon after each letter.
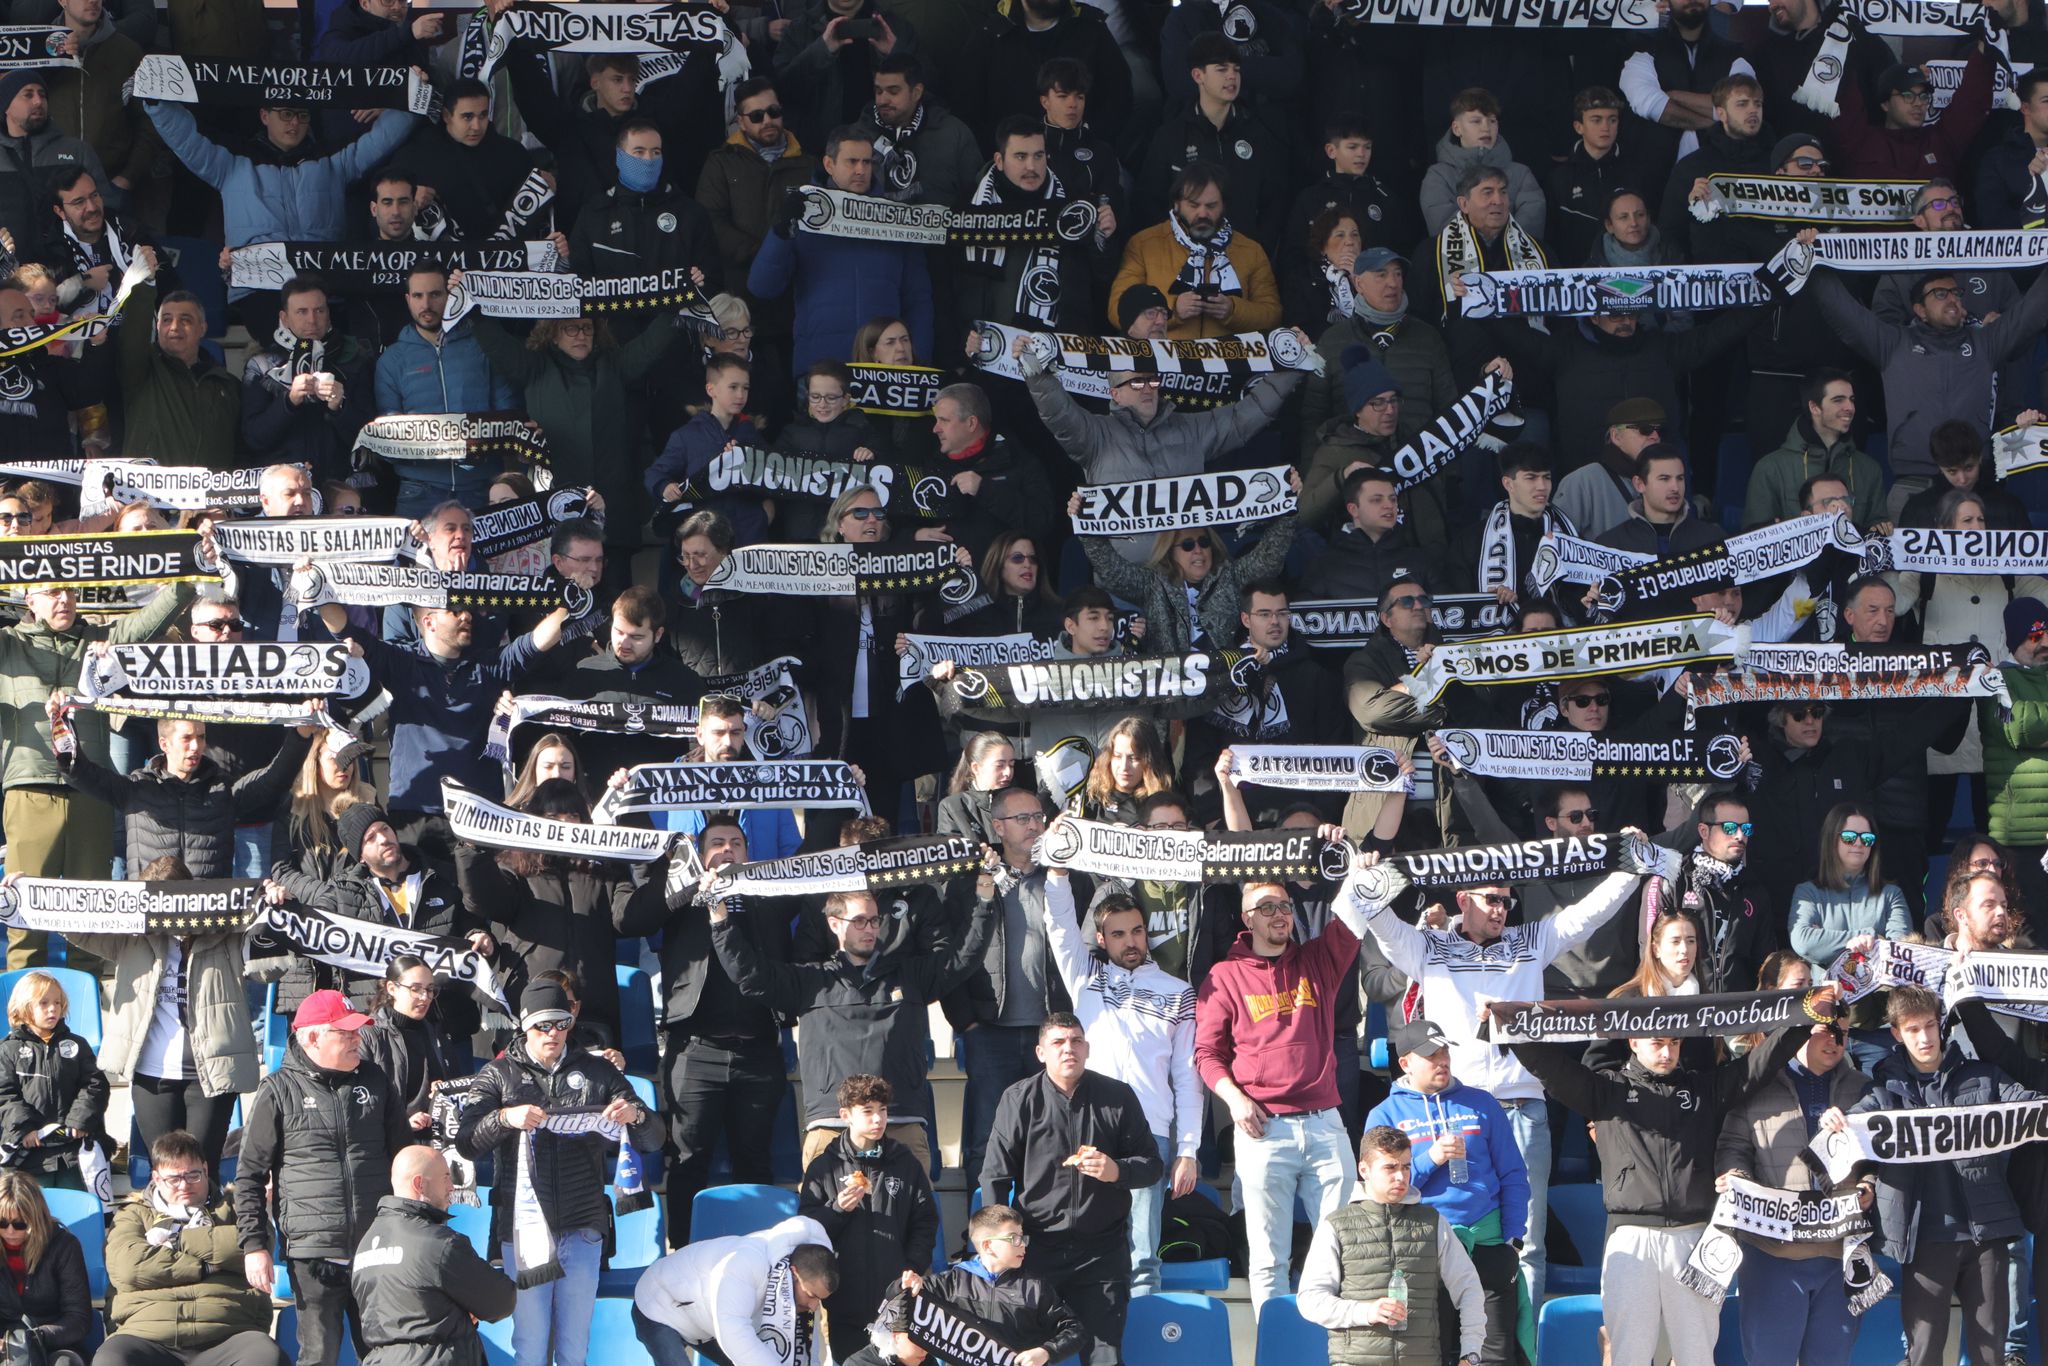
x: 32, y: 151
x: 1217, y: 130
x: 1717, y: 885
x: 635, y: 669
x: 1736, y: 142
x: 1216, y: 281
x: 87, y: 247
x: 1938, y: 207
x: 181, y: 407
x: 1786, y: 56
x: 433, y: 368
x: 724, y: 1075
x: 1667, y: 84
x: 999, y: 68
x: 923, y: 155
x: 307, y: 394
x: 1292, y: 700
x: 1046, y: 285
x: 1140, y: 1022
x: 1412, y: 350
x: 1906, y: 145
x: 746, y: 179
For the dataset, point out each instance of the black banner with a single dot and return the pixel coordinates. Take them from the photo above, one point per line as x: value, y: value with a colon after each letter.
x: 459, y: 437
x: 73, y: 906
x: 102, y: 559
x: 734, y: 786
x: 514, y: 526
x: 183, y: 80
x: 1348, y: 623
x: 378, y: 267
x: 874, y: 865
x: 800, y: 474
x: 895, y: 390
x: 1647, y: 1017
x: 1117, y: 682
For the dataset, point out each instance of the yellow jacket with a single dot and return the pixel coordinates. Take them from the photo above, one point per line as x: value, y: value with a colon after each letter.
x: 1153, y: 257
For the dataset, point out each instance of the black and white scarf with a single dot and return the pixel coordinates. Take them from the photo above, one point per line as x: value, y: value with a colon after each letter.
x: 34, y: 46
x: 786, y: 785
x: 1320, y: 768
x: 1458, y: 251
x: 1134, y: 853
x: 302, y: 356
x: 897, y: 159
x: 1105, y: 683
x: 559, y: 294
x: 288, y: 540
x: 1746, y: 557
x: 1544, y: 860
x: 1497, y: 545
x: 1787, y: 1217
x: 1453, y: 432
x: 1573, y: 559
x: 648, y: 29
x: 1038, y: 286
x: 478, y: 819
x: 1940, y: 1133
x: 2010, y: 985
x: 1208, y: 266
x: 1342, y: 298
x: 1639, y: 15
x: 894, y: 390
x: 1923, y: 251
x: 1581, y: 1020
x: 189, y: 80
x: 364, y: 947
x: 84, y: 258
x: 73, y: 906
x: 1849, y: 673
x: 1578, y: 652
x: 109, y: 484
x: 514, y: 526
x: 970, y: 652
x: 533, y: 1238
x: 223, y: 670
x: 843, y: 569
x: 378, y: 267
x: 103, y: 559
x: 1193, y: 500
x: 390, y: 585
x: 1800, y: 199
x: 1564, y: 756
x: 870, y: 866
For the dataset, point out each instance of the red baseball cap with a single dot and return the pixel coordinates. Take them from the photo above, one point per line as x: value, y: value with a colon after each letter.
x: 329, y: 1008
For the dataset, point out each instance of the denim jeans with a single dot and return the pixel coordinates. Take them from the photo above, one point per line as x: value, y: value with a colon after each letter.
x: 1530, y: 1120
x: 995, y: 1058
x: 469, y: 485
x: 1148, y: 1209
x: 560, y: 1309
x: 2019, y: 1281
x: 664, y: 1344
x: 252, y: 850
x: 1794, y: 1309
x: 1299, y: 1155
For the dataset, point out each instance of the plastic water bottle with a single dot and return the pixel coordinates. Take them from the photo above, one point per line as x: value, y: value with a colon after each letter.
x: 1461, y: 1170
x: 1397, y: 1291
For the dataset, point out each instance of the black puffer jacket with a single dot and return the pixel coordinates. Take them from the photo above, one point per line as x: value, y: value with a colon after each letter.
x: 421, y: 1286
x: 893, y: 1230
x: 569, y: 1171
x: 193, y: 818
x: 56, y: 1304
x: 327, y: 1139
x: 414, y: 1054
x: 436, y: 909
x: 58, y: 1082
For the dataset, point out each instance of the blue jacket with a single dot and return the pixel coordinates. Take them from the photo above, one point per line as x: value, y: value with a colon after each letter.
x: 840, y: 284
x: 689, y: 453
x: 416, y: 376
x: 441, y: 714
x: 1497, y: 1179
x: 302, y: 203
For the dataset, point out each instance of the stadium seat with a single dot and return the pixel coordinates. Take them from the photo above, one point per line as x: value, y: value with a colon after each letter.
x: 82, y: 993
x: 80, y: 1212
x: 474, y: 1221
x: 639, y: 1241
x: 1879, y: 1336
x: 1581, y: 1210
x: 723, y: 1211
x: 1211, y: 1275
x: 636, y: 1021
x: 1173, y: 1330
x: 1288, y: 1339
x: 1568, y: 1331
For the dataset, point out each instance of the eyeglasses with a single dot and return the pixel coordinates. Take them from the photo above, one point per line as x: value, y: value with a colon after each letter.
x: 190, y: 1177
x: 221, y: 624
x: 867, y: 514
x: 1139, y: 382
x: 1169, y: 825
x: 1810, y: 163
x: 1942, y: 205
x: 1742, y: 828
x: 1273, y: 910
x: 554, y: 1026
x: 1028, y: 817
x: 1584, y: 813
x: 1986, y: 865
x: 1866, y: 838
x: 18, y: 1225
x: 821, y: 400
x: 860, y: 922
x: 12, y: 517
x: 1268, y: 614
x: 1812, y: 711
x: 1020, y: 1239
x: 1384, y: 402
x: 585, y: 560
x: 1942, y: 293
x: 292, y: 115
x: 1915, y: 96
x: 734, y: 333
x: 351, y: 510
x: 773, y: 111
x: 1589, y: 699
x: 1414, y: 602
x: 1020, y: 557
x: 1190, y: 544
x: 428, y: 990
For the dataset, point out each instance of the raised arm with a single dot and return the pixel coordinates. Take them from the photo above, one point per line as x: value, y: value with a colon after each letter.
x: 1063, y: 935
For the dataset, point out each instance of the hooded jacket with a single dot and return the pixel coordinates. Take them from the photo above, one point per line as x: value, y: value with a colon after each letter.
x: 711, y: 1291
x: 1453, y: 159
x: 569, y: 1171
x: 2006, y: 195
x: 1657, y: 1134
x: 188, y: 1294
x: 1988, y: 1206
x: 193, y: 818
x: 1931, y: 375
x: 326, y: 1139
x: 1497, y: 1178
x: 1775, y: 482
x: 1269, y: 1023
x: 2016, y: 756
x: 54, y: 1081
x: 421, y: 1286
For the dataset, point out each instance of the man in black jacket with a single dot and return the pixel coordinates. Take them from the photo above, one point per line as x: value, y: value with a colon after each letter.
x: 308, y: 392
x: 1073, y: 1144
x: 869, y: 1193
x: 422, y: 1285
x: 993, y: 484
x: 540, y: 1108
x: 862, y: 1012
x: 1658, y: 1126
x: 473, y: 169
x: 989, y: 1288
x: 724, y: 1072
x: 321, y: 1130
x: 647, y: 221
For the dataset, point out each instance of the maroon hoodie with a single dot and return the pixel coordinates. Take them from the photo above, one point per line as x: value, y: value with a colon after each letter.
x: 1270, y: 1023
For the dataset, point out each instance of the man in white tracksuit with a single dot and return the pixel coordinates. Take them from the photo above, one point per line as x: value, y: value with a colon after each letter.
x: 1484, y: 960
x: 1140, y: 1022
x: 745, y: 1301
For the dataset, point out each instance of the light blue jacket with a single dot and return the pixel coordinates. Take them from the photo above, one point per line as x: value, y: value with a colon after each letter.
x: 1823, y: 922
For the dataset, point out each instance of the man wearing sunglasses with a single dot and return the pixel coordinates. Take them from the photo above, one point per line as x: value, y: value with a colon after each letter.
x: 1818, y: 443
x: 1720, y: 886
x: 747, y: 176
x: 1597, y: 494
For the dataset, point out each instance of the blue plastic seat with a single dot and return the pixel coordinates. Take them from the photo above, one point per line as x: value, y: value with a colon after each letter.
x: 287, y: 1335
x: 636, y: 1020
x: 474, y: 1222
x: 638, y: 1245
x: 80, y: 1212
x: 1175, y: 1329
x: 1878, y: 1338
x: 726, y: 1211
x: 82, y: 998
x: 612, y: 1339
x: 1288, y: 1339
x: 1583, y: 1212
x: 1568, y: 1330
x: 1209, y: 1275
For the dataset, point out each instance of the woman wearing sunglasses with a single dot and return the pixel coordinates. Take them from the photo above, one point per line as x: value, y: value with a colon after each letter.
x: 44, y: 1288
x: 1016, y: 592
x: 1190, y: 588
x: 1846, y: 907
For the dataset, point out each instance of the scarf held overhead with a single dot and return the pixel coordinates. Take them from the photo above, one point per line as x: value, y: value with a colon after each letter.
x: 1195, y: 500
x: 103, y: 559
x: 1803, y: 200
x: 799, y: 474
x: 1645, y: 1017
x: 870, y: 866
x: 969, y: 652
x: 1134, y: 853
x: 1319, y: 768
x: 1638, y: 15
x: 457, y: 437
x: 247, y: 669
x: 1747, y: 557
x: 109, y: 484
x: 1565, y: 756
x: 539, y: 294
x: 788, y: 785
x: 361, y: 947
x: 1453, y: 432
x: 1113, y: 683
x: 186, y: 80
x: 379, y: 267
x: 1588, y: 652
x: 75, y: 906
x: 476, y: 818
x: 1348, y: 623
x: 1946, y: 1133
x: 843, y: 569
x: 590, y: 28
x: 288, y: 540
x: 514, y: 526
x: 390, y: 585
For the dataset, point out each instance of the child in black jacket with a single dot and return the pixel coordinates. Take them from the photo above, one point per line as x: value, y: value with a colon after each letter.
x: 53, y: 1096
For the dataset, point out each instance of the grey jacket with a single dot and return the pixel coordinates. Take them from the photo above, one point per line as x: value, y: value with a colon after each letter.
x: 1440, y: 184
x: 1932, y: 376
x: 1824, y: 921
x: 1116, y: 447
x: 223, y: 1044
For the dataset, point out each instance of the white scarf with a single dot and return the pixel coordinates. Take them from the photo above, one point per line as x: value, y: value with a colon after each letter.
x: 301, y: 357
x: 789, y: 1332
x: 1821, y: 89
x: 1342, y: 300
x: 1038, y: 287
x: 1458, y: 251
x: 1208, y: 263
x: 1497, y: 544
x: 533, y: 1241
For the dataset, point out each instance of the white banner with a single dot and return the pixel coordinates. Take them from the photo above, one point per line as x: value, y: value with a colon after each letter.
x: 1604, y: 291
x: 1563, y: 756
x: 287, y: 540
x: 1928, y: 550
x: 1944, y: 1133
x: 1799, y: 199
x: 247, y: 669
x: 1923, y: 251
x: 1319, y: 768
x: 788, y: 784
x: 1569, y: 559
x: 109, y: 484
x: 476, y: 818
x: 1195, y: 500
x: 1589, y: 652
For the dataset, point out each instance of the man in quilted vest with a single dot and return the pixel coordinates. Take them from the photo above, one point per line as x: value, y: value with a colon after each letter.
x: 1348, y: 1283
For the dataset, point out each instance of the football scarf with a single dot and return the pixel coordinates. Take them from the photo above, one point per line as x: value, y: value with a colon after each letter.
x: 1944, y: 1133
x: 871, y: 866
x: 363, y: 947
x: 1568, y: 559
x: 533, y: 1240
x: 1136, y: 854
x: 73, y: 906
x: 812, y: 570
x: 1787, y: 1217
x: 1586, y: 652
x: 1747, y: 557
x: 1646, y: 1017
x: 1922, y: 251
x: 456, y: 437
x: 672, y: 27
x: 242, y: 669
x: 1319, y: 768
x: 1799, y: 199
x: 1927, y: 550
x: 19, y: 341
x: 1195, y: 500
x: 920, y: 493
x: 1849, y: 673
x: 955, y: 1336
x: 391, y: 585
x: 1038, y: 284
x: 1602, y: 291
x: 381, y: 267
x: 476, y: 818
x: 1349, y: 623
x: 1208, y: 265
x: 1453, y: 432
x: 109, y: 484
x: 288, y: 540
x: 539, y: 294
x: 34, y: 47
x: 1497, y: 544
x: 1103, y: 683
x: 1458, y: 253
x: 785, y: 785
x: 513, y: 526
x: 1478, y: 865
x: 1894, y: 963
x: 969, y: 652
x: 187, y: 80
x: 894, y: 390
x: 1568, y: 756
x: 1639, y: 15
x: 2017, y: 450
x: 103, y: 559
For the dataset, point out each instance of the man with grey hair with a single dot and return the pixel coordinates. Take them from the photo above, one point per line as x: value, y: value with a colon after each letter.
x: 992, y: 486
x: 1483, y: 236
x: 318, y: 1137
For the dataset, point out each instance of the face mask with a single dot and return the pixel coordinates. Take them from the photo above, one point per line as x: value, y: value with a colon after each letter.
x: 638, y: 174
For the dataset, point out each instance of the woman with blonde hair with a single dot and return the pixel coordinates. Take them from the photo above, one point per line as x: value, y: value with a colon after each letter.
x: 43, y: 1288
x: 53, y: 1096
x: 1190, y: 589
x: 324, y: 788
x: 1131, y: 766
